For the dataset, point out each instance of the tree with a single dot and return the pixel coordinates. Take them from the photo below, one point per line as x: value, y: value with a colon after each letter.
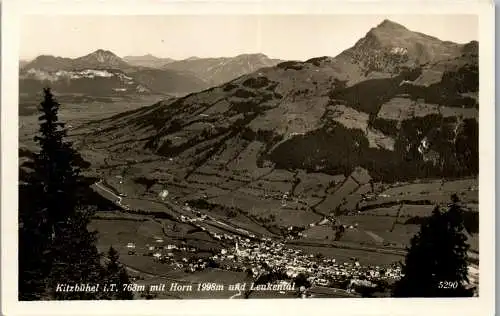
x: 116, y: 274
x: 34, y: 266
x: 75, y: 258
x: 54, y: 243
x: 436, y: 262
x: 55, y: 166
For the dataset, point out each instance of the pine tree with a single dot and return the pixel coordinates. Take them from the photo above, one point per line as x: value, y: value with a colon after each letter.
x: 55, y: 245
x: 116, y: 274
x: 436, y: 262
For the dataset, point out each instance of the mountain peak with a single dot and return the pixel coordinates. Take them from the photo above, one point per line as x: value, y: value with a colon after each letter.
x: 390, y: 45
x: 99, y: 58
x: 388, y: 31
x: 390, y: 25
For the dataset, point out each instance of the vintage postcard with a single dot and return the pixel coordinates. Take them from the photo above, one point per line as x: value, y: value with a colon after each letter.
x: 253, y: 158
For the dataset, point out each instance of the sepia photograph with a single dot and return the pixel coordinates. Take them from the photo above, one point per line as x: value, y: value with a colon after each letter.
x: 217, y: 157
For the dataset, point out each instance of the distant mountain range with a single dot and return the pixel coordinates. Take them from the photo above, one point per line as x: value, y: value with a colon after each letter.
x: 214, y: 71
x: 400, y: 104
x: 103, y: 72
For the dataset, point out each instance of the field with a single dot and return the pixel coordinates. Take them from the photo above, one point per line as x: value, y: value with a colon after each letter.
x: 379, y: 223
x: 376, y: 234
x: 239, y: 198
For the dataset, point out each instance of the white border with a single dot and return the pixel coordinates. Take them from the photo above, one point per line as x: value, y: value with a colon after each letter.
x: 484, y: 305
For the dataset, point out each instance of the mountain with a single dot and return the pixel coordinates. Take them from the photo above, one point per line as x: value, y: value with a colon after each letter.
x: 393, y: 38
x: 386, y: 50
x: 103, y: 73
x: 100, y: 59
x: 398, y: 105
x: 148, y: 60
x: 216, y: 71
x: 98, y: 73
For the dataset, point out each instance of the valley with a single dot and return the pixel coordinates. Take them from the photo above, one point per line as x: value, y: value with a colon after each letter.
x: 326, y: 167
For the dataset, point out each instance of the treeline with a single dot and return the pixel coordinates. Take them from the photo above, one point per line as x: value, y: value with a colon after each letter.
x: 453, y: 150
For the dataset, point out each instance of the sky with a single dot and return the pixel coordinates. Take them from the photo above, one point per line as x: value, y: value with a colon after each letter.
x: 289, y: 37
